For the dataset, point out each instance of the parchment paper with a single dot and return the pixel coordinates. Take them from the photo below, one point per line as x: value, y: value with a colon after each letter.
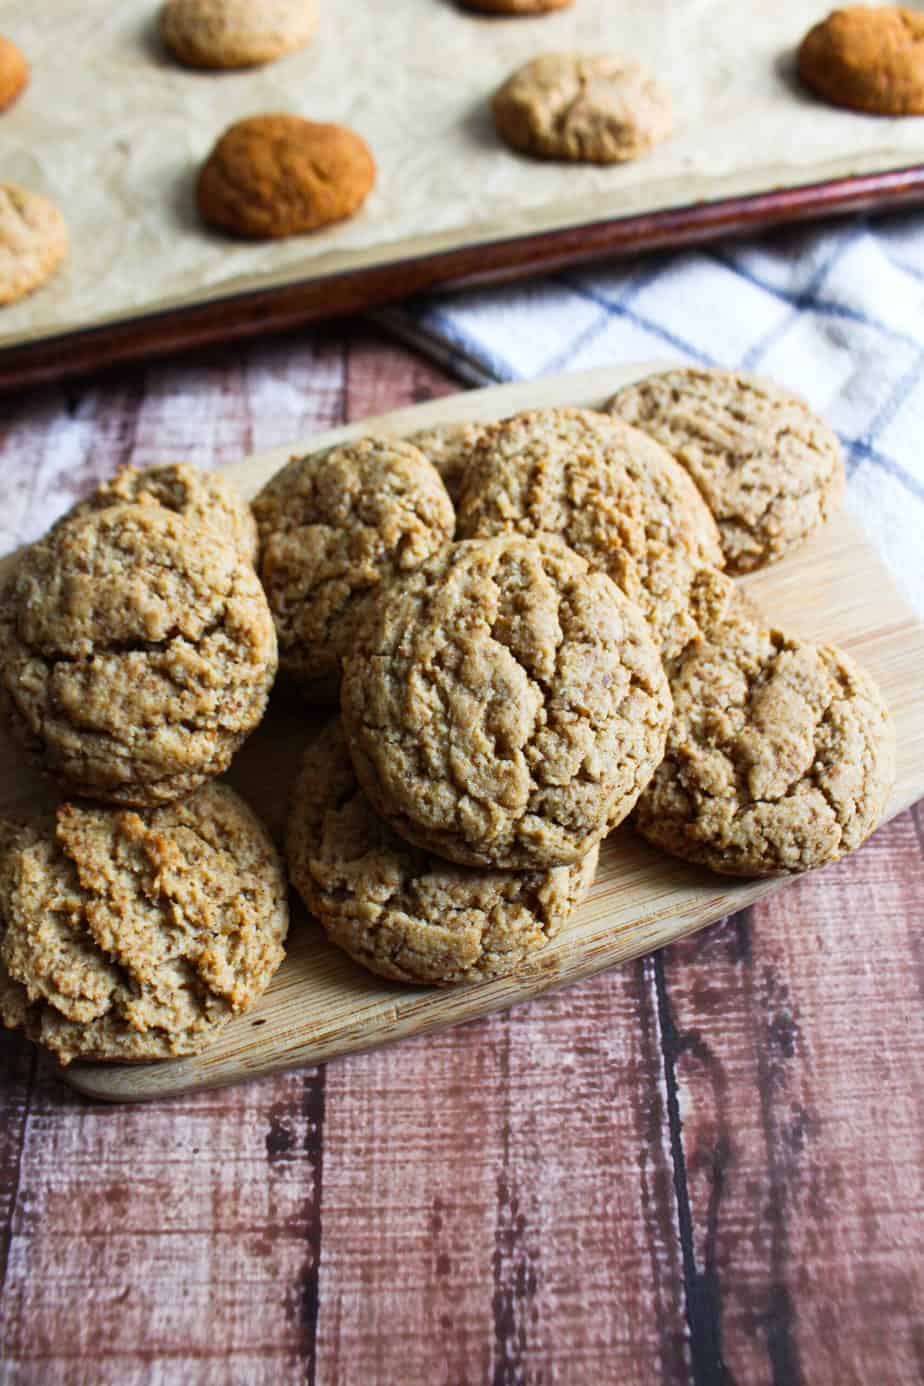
x: 113, y: 131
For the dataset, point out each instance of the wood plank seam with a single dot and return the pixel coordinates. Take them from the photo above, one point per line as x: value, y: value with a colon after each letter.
x: 781, y: 1339
x: 514, y: 1278
x: 702, y: 1291
x: 670, y: 1326
x: 313, y: 1110
x: 917, y: 818
x: 16, y: 1182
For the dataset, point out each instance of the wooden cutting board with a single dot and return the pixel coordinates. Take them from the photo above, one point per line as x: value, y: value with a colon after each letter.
x: 321, y: 1004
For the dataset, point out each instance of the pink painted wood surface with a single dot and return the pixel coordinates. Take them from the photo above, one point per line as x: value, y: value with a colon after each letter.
x: 704, y: 1167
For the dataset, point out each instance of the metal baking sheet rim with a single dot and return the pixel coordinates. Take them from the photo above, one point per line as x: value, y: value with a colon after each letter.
x: 281, y: 307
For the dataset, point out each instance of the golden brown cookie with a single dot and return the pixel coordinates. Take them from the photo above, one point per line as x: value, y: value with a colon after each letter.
x: 134, y: 936
x: 279, y: 175
x: 551, y: 464
x: 136, y: 654
x: 14, y: 73
x: 203, y: 499
x: 619, y: 501
x: 868, y: 59
x: 333, y: 526
x: 504, y: 704
x: 685, y: 602
x: 33, y: 241
x: 517, y: 7
x: 399, y: 910
x: 236, y: 33
x: 767, y: 467
x: 449, y: 447
x: 597, y: 108
x: 780, y: 756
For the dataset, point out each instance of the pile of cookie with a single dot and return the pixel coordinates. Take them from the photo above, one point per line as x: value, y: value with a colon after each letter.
x: 137, y: 652
x: 534, y: 633
x: 578, y: 653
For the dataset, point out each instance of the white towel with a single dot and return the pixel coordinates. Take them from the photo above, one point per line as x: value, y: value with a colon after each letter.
x: 834, y: 312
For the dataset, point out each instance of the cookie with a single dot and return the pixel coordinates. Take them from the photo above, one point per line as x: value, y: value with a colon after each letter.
x: 399, y: 910
x: 333, y: 526
x: 278, y: 175
x: 136, y: 654
x: 236, y: 33
x: 449, y: 447
x: 203, y: 499
x: 597, y: 108
x: 517, y: 7
x: 868, y: 59
x: 504, y: 704
x: 14, y: 73
x: 134, y: 936
x: 767, y: 467
x: 685, y: 602
x: 780, y: 757
x: 33, y: 241
x: 609, y: 494
x: 552, y: 465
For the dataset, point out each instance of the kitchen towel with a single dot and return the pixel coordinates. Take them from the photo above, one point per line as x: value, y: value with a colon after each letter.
x: 835, y: 312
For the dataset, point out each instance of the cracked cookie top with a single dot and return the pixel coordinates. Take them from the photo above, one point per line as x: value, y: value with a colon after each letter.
x: 398, y: 909
x: 136, y: 654
x: 612, y: 495
x: 204, y: 499
x: 133, y: 936
x: 601, y: 485
x: 768, y: 468
x: 333, y: 526
x: 504, y: 705
x: 599, y: 108
x: 780, y: 756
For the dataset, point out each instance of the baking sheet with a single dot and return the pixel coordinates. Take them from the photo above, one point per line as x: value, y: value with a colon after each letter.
x: 113, y: 131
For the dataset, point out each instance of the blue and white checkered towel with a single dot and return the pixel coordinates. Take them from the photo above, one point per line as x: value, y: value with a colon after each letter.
x: 836, y: 313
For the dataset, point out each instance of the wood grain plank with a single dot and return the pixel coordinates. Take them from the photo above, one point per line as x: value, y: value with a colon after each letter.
x: 482, y: 1187
x: 411, y: 1144
x: 18, y: 1063
x: 188, y: 1233
x: 586, y: 1268
x: 794, y: 1032
x: 380, y: 381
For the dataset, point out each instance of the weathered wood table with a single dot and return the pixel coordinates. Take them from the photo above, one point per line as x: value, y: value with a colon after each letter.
x: 703, y: 1167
